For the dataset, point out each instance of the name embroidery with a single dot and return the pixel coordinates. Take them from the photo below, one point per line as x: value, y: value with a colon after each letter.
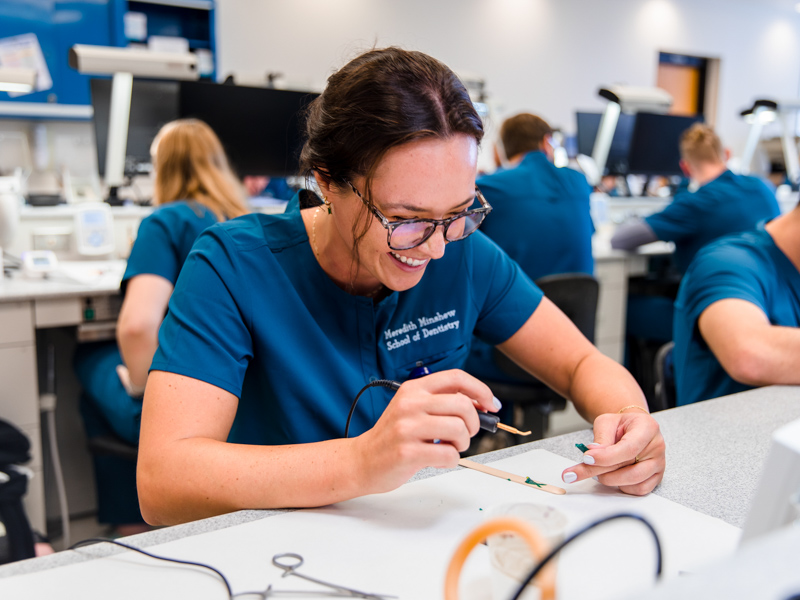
x: 425, y: 327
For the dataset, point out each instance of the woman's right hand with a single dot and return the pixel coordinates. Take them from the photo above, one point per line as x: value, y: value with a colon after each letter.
x: 442, y: 406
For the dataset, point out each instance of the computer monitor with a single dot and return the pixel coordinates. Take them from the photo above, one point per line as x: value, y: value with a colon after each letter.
x: 589, y: 123
x: 260, y: 128
x: 776, y: 502
x: 655, y: 144
x: 153, y: 104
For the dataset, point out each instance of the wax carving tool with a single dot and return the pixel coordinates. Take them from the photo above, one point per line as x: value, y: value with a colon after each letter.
x: 491, y: 423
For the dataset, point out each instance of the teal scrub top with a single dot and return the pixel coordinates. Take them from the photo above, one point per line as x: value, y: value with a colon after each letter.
x: 729, y: 204
x: 165, y: 238
x: 540, y: 216
x: 748, y: 266
x: 254, y: 314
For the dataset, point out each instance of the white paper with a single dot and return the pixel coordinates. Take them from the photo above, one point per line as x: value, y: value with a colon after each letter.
x: 135, y: 25
x: 400, y: 543
x: 23, y: 51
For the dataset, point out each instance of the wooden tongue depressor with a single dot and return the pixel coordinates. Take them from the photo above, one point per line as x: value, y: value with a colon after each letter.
x: 526, y: 481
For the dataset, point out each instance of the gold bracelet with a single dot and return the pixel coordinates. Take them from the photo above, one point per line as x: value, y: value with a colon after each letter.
x: 622, y: 410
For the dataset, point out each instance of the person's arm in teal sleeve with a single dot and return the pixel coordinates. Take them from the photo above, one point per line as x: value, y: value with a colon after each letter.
x: 752, y: 350
x: 632, y: 234
x: 684, y: 217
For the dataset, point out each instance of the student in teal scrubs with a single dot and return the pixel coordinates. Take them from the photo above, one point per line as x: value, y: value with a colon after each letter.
x: 724, y: 203
x: 540, y: 214
x: 194, y: 188
x: 277, y: 322
x: 738, y: 313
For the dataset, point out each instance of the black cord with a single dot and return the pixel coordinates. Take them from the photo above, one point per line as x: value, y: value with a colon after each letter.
x: 579, y: 533
x: 387, y: 383
x: 164, y: 558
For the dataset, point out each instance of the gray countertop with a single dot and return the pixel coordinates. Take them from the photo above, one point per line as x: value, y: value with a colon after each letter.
x: 715, y: 452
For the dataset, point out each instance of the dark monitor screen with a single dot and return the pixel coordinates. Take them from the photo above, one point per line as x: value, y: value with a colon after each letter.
x: 589, y: 123
x: 655, y: 144
x: 260, y: 128
x: 153, y: 103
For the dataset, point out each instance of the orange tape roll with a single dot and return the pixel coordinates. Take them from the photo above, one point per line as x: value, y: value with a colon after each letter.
x: 546, y: 580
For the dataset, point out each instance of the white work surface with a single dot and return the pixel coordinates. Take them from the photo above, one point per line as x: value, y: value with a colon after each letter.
x: 71, y: 279
x: 400, y: 543
x: 715, y: 452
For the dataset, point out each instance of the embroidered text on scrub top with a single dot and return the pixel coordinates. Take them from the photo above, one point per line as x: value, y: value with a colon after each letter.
x: 428, y: 326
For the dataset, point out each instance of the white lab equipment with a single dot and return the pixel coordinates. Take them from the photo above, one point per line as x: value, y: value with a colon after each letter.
x: 94, y: 229
x: 17, y: 79
x: 776, y: 502
x: 10, y: 201
x: 38, y: 264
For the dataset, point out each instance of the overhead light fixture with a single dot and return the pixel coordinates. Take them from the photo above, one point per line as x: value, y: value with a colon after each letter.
x: 633, y: 99
x: 628, y: 99
x: 17, y: 80
x: 125, y: 64
x: 760, y: 115
x: 107, y: 60
x: 766, y: 111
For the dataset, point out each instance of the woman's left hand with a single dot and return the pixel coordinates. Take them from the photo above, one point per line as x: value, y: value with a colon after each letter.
x: 628, y: 452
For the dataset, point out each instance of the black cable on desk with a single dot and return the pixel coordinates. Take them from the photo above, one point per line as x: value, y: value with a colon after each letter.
x: 579, y: 533
x: 155, y: 556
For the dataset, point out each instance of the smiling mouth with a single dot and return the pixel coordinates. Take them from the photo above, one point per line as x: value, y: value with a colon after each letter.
x: 411, y: 262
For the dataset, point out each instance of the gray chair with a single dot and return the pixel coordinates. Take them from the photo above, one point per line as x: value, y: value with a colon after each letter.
x: 665, y: 394
x: 576, y: 295
x: 111, y: 445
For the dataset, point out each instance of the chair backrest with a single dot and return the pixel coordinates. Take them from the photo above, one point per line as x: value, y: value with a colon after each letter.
x: 576, y: 295
x: 665, y: 396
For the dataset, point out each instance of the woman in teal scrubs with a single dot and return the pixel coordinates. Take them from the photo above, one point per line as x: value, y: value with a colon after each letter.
x: 194, y: 188
x: 277, y: 322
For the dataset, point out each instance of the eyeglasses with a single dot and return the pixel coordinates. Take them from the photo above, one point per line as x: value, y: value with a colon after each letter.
x: 410, y: 233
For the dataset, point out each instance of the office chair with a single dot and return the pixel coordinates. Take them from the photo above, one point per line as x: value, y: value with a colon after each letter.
x: 649, y: 318
x: 664, y: 367
x: 17, y: 543
x: 114, y: 464
x: 111, y: 445
x: 576, y: 295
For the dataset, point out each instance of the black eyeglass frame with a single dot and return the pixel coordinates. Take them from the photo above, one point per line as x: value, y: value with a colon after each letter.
x: 390, y: 226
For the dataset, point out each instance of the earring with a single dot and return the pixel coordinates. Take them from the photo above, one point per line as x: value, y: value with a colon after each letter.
x: 327, y: 203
